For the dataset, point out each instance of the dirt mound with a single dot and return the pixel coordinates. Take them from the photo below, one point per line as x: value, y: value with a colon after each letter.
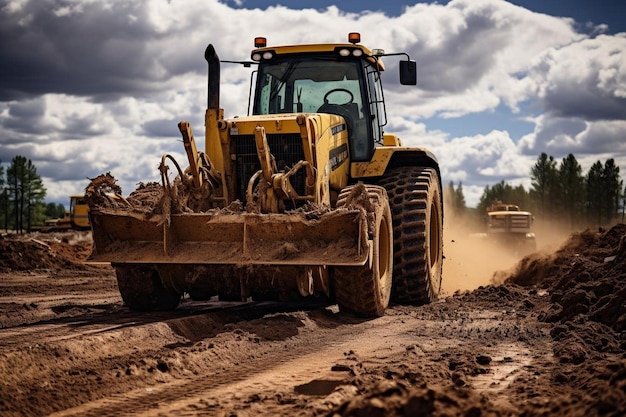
x: 31, y: 252
x: 586, y: 283
x: 585, y: 277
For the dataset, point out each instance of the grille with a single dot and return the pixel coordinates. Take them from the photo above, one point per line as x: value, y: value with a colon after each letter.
x: 520, y: 221
x: 287, y: 151
x: 516, y: 221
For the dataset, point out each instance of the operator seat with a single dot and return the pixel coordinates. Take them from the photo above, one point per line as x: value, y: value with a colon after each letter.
x: 349, y: 112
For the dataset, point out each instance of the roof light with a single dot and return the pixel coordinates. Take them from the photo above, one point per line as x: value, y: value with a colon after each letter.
x: 344, y: 52
x: 260, y: 42
x: 357, y: 52
x: 262, y: 55
x: 354, y: 37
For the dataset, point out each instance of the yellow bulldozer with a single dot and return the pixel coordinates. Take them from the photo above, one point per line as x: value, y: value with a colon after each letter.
x: 306, y: 195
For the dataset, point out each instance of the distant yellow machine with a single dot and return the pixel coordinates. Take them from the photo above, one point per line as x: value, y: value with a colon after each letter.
x: 77, y: 218
x: 512, y: 227
x: 307, y: 195
x: 79, y: 213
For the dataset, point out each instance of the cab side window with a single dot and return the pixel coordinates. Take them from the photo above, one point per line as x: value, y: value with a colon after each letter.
x: 376, y: 103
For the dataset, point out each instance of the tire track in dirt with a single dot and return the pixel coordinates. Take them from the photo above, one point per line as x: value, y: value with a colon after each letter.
x: 91, y: 319
x: 320, y: 361
x: 280, y: 371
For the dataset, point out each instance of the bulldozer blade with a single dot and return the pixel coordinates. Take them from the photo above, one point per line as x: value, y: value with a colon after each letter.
x: 337, y: 237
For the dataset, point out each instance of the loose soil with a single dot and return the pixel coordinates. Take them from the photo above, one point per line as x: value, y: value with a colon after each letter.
x: 541, y: 337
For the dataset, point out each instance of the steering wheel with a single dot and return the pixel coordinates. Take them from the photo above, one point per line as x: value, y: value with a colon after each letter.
x: 339, y: 90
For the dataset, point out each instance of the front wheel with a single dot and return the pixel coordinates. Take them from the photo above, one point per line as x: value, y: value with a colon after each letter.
x: 142, y: 290
x: 415, y: 200
x: 365, y: 290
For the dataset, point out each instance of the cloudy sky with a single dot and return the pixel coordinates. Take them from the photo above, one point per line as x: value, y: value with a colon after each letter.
x: 90, y: 86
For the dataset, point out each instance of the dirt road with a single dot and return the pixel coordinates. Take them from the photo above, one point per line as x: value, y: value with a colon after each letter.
x: 549, y: 341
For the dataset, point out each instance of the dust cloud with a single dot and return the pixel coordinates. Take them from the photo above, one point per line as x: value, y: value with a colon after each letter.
x: 473, y: 260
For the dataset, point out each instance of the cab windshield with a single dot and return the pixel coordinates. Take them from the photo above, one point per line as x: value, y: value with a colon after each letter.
x: 299, y: 86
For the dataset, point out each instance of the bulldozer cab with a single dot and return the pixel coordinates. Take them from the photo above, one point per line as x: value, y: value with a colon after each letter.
x: 326, y: 82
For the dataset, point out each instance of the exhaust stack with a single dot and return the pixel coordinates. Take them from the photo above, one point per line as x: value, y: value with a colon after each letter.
x: 214, y: 77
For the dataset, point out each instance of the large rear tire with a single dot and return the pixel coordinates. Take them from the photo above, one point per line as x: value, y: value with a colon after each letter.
x: 415, y: 200
x: 365, y: 290
x: 142, y: 290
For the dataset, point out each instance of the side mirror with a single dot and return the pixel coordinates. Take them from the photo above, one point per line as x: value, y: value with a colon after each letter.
x: 408, y: 72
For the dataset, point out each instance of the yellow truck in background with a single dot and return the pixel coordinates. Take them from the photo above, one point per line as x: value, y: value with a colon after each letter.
x: 511, y: 227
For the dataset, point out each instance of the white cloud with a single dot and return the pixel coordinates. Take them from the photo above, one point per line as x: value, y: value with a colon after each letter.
x: 585, y: 79
x: 561, y: 135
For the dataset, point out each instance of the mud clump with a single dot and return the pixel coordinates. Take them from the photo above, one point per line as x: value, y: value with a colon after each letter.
x: 152, y: 199
x: 390, y: 398
x: 101, y: 192
x: 104, y: 193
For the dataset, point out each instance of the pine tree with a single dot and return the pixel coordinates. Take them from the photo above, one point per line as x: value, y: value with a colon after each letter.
x: 459, y: 198
x: 612, y: 186
x: 572, y: 188
x: 595, y: 198
x: 543, y: 177
x: 454, y: 198
x: 35, y: 194
x: 54, y: 211
x: 448, y: 194
x: 26, y: 192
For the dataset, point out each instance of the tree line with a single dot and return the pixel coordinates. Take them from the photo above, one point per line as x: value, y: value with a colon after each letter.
x: 22, y: 193
x: 560, y: 192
